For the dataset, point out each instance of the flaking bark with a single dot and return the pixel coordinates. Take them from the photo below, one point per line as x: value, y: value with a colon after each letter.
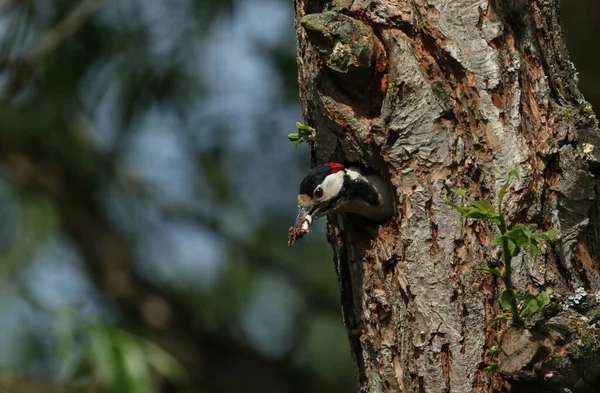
x: 457, y: 94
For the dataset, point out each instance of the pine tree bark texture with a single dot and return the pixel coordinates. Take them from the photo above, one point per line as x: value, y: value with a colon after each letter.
x: 437, y: 95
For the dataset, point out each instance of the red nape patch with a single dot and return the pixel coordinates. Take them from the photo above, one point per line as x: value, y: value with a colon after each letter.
x: 335, y: 167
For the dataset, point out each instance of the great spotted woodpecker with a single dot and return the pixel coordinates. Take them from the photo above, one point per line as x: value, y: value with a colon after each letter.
x: 333, y: 188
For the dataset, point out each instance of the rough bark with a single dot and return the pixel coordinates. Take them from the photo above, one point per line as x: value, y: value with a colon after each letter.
x: 437, y: 95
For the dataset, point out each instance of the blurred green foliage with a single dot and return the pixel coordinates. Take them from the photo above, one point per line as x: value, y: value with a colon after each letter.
x: 110, y: 359
x: 145, y: 199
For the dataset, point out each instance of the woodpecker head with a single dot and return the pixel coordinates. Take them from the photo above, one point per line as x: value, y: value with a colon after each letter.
x: 333, y: 188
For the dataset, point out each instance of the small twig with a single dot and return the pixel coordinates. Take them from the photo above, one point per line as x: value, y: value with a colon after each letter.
x: 49, y: 42
x: 66, y: 28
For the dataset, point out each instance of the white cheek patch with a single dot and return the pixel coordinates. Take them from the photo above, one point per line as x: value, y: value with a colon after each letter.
x: 332, y: 185
x: 352, y: 174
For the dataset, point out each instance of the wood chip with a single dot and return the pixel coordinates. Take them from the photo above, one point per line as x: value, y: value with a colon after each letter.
x: 299, y: 230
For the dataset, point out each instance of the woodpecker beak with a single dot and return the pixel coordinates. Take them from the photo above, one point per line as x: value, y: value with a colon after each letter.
x: 315, y: 211
x: 304, y: 211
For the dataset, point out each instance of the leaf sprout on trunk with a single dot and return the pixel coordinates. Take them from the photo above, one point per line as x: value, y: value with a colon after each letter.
x: 305, y: 134
x: 511, y: 239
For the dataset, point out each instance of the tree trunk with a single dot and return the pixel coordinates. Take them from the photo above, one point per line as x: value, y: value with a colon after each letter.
x: 444, y: 94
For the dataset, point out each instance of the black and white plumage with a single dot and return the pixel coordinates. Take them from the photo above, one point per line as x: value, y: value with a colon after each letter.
x: 333, y: 188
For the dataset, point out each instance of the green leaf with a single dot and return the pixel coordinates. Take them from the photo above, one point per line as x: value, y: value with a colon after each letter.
x: 493, y: 270
x: 505, y: 300
x: 497, y: 239
x: 513, y: 240
x: 533, y: 248
x: 122, y: 362
x: 513, y: 249
x: 303, y: 127
x: 462, y: 192
x: 493, y: 350
x: 491, y: 367
x: 535, y: 303
x: 483, y: 205
x: 519, y: 234
x: 499, y: 317
x: 523, y: 296
x: 531, y: 307
x: 454, y: 205
x: 480, y: 209
x: 473, y: 212
x: 134, y: 361
x: 102, y: 356
x: 548, y: 235
x: 68, y: 358
x: 522, y: 236
x: 544, y: 297
x: 164, y: 363
x: 512, y: 174
x: 305, y: 134
x: 304, y: 130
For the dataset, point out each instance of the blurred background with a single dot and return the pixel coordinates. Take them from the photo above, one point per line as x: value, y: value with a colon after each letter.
x: 146, y: 190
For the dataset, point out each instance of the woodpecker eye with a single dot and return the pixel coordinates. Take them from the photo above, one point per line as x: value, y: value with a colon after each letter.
x: 318, y: 192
